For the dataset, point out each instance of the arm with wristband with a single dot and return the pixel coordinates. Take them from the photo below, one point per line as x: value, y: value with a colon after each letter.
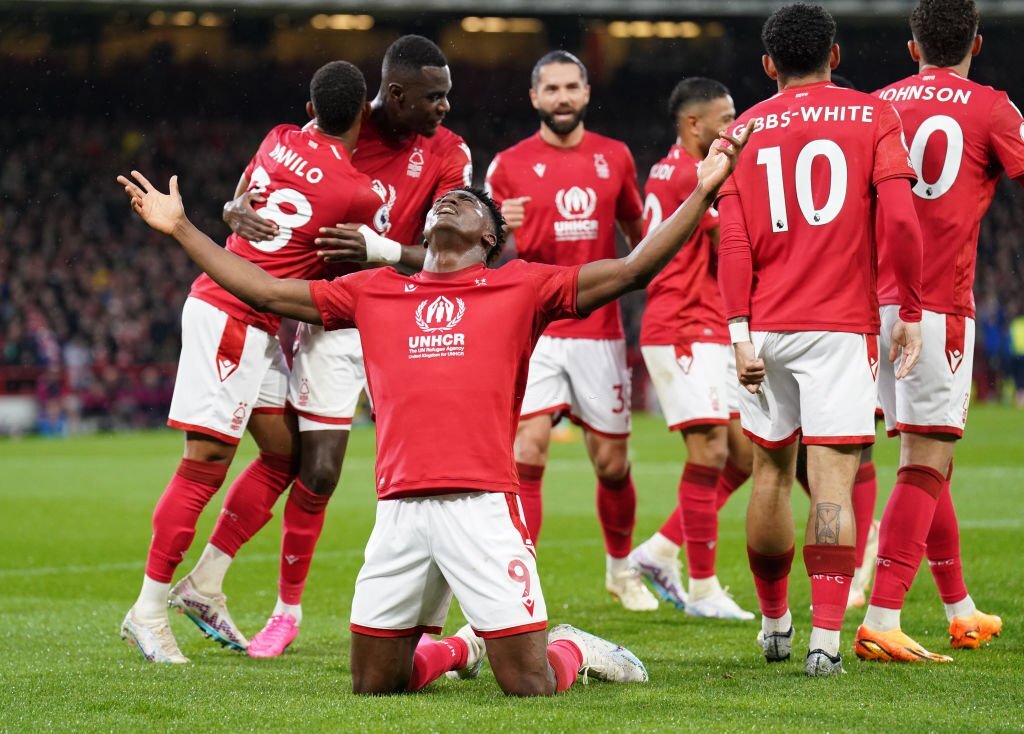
x: 735, y: 278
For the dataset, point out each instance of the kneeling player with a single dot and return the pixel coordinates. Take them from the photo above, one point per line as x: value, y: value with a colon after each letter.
x: 446, y: 355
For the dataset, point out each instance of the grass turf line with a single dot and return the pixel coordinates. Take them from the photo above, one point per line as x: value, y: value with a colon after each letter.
x: 76, y: 517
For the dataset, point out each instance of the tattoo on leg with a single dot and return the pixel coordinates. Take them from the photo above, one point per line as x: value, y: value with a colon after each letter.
x: 826, y: 523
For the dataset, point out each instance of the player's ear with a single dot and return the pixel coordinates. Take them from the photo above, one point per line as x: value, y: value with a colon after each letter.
x: 976, y: 46
x: 914, y: 50
x: 366, y: 110
x: 310, y: 110
x: 396, y: 92
x: 533, y: 97
x: 833, y: 56
x: 769, y: 67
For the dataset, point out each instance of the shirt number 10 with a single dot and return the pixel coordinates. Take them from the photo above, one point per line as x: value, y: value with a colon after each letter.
x: 771, y: 159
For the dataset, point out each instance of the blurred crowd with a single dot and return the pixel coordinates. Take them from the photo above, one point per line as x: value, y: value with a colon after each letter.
x: 90, y: 298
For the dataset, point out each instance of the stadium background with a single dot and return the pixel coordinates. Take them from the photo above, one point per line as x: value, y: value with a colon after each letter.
x: 90, y: 300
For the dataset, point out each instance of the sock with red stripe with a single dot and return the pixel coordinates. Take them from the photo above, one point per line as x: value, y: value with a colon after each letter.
x: 248, y: 504
x: 616, y: 509
x: 566, y: 660
x: 731, y: 479
x: 865, y: 493
x: 901, y: 540
x: 434, y: 658
x: 531, y: 477
x: 771, y: 579
x: 672, y: 528
x: 174, y: 526
x: 698, y: 492
x: 831, y: 569
x: 943, y: 550
x: 300, y: 530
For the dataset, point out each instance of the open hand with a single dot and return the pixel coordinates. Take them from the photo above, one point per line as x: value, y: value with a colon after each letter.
x: 721, y: 159
x: 906, y: 338
x: 244, y: 220
x: 344, y: 243
x: 162, y: 212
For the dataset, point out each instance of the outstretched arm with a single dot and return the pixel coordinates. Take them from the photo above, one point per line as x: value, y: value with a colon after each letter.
x: 239, y: 277
x: 603, y: 281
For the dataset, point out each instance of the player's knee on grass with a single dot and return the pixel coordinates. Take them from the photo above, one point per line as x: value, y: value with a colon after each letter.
x: 520, y: 664
x: 322, y: 455
x: 381, y: 666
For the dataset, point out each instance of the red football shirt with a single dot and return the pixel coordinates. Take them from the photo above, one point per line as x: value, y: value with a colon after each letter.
x: 309, y: 182
x: 577, y: 194
x: 962, y: 136
x: 806, y: 182
x: 684, y: 304
x: 411, y: 176
x: 447, y: 356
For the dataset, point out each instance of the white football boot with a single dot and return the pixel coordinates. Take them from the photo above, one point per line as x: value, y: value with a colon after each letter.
x: 630, y: 590
x: 663, y: 574
x: 717, y: 604
x: 819, y: 664
x: 155, y: 640
x: 209, y: 613
x: 602, y: 659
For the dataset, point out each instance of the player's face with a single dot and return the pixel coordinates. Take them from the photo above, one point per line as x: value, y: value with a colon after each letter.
x: 424, y: 99
x: 713, y: 117
x: 560, y: 97
x: 461, y: 212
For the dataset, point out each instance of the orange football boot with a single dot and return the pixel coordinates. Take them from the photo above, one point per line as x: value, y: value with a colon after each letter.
x: 970, y: 633
x: 892, y: 647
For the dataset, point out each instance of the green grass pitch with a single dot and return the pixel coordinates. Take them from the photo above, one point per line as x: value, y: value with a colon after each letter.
x: 75, y: 526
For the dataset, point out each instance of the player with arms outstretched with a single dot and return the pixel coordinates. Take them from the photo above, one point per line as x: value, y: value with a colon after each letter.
x: 685, y: 344
x: 562, y: 192
x: 232, y: 374
x: 412, y: 160
x: 447, y: 353
x: 962, y: 135
x: 797, y: 274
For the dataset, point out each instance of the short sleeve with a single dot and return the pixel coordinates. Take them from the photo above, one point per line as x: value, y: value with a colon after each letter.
x: 556, y: 288
x: 892, y: 159
x: 336, y: 300
x: 629, y: 205
x: 1007, y: 136
x: 456, y: 170
x: 495, y: 183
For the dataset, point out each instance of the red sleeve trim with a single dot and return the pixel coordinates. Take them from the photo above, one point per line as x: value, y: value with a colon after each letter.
x: 510, y: 631
x: 422, y: 629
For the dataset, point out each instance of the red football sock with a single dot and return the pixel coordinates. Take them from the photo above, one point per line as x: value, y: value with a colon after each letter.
x: 566, y: 660
x: 531, y: 478
x: 771, y: 579
x: 434, y: 658
x: 731, y: 479
x: 865, y: 491
x: 616, y: 509
x: 698, y: 498
x: 901, y: 539
x: 249, y: 500
x: 672, y: 528
x: 831, y: 569
x: 300, y: 530
x: 943, y: 549
x: 174, y: 519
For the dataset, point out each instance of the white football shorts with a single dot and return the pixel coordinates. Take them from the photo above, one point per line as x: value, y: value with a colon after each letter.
x: 327, y: 377
x: 587, y: 379
x: 696, y: 383
x: 424, y: 549
x: 227, y: 371
x: 822, y: 383
x: 935, y: 396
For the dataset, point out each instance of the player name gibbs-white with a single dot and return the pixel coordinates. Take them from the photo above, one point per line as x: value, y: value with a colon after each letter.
x: 296, y: 163
x: 817, y: 113
x: 927, y: 92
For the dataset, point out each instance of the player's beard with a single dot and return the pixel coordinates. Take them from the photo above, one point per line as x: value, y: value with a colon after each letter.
x: 562, y: 128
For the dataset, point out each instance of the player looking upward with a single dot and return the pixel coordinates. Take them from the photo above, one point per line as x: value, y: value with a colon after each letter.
x: 447, y: 353
x: 231, y: 374
x: 562, y: 191
x: 685, y: 343
x: 797, y: 274
x: 962, y: 135
x: 412, y: 160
